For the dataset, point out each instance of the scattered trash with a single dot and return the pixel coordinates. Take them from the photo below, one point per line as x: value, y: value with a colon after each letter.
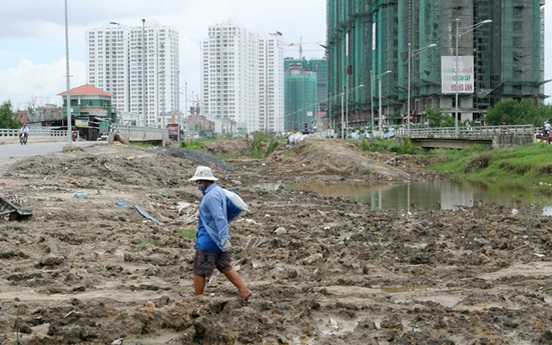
x: 80, y: 195
x: 280, y: 231
x: 348, y: 240
x: 12, y: 212
x: 137, y: 208
x: 109, y: 167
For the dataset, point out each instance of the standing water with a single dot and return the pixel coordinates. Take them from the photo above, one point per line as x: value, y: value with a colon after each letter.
x: 449, y: 195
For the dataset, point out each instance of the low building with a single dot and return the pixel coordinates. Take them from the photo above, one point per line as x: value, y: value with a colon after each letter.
x: 91, y: 111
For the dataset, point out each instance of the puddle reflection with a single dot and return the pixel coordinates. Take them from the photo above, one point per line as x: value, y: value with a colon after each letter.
x: 450, y: 195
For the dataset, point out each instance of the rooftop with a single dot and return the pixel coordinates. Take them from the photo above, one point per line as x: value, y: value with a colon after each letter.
x: 86, y: 90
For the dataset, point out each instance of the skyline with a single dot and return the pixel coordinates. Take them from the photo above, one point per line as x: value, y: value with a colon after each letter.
x: 32, y: 49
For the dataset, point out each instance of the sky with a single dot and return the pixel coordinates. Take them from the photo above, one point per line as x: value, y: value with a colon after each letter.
x: 33, y: 49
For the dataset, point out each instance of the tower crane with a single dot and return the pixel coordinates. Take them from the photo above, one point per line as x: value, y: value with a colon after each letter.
x: 300, y: 45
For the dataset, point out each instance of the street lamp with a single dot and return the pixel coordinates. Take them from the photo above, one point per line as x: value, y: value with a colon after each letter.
x: 186, y: 109
x: 379, y: 76
x: 458, y: 35
x: 410, y: 55
x: 347, y: 105
x: 144, y: 72
x: 68, y: 78
x: 372, y: 102
x: 342, y: 116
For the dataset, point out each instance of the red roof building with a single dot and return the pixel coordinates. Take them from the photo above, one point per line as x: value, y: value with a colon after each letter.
x: 88, y: 100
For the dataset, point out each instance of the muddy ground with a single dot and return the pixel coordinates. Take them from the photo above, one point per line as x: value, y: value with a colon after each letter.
x: 84, y: 270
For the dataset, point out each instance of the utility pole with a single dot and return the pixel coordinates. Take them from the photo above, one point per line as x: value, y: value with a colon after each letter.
x: 68, y: 76
x: 185, y: 104
x: 144, y: 72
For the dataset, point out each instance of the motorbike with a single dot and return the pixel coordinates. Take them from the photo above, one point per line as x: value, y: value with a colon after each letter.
x: 23, y: 139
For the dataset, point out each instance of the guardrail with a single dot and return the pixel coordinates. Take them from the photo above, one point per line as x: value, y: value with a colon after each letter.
x: 465, y: 131
x: 129, y: 133
x: 35, y: 132
x: 133, y: 133
x: 133, y: 129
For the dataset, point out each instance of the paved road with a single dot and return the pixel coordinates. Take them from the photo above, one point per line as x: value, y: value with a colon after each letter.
x: 10, y: 151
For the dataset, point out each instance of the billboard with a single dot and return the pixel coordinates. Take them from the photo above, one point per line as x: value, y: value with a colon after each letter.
x: 465, y: 74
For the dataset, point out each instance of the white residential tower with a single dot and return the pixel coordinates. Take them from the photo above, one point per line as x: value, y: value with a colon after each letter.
x: 242, y: 79
x: 118, y: 54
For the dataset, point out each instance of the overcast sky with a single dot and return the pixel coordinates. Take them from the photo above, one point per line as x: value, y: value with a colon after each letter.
x: 32, y: 38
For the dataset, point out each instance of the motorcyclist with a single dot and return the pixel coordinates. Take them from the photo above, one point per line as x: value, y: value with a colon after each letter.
x: 23, y: 131
x: 546, y: 129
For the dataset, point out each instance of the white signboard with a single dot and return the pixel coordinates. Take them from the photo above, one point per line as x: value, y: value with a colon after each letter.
x: 464, y: 75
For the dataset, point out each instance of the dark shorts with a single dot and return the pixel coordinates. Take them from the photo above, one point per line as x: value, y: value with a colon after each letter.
x: 205, y: 262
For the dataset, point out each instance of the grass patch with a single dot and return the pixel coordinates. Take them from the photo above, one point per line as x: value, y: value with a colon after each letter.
x: 143, y: 145
x: 401, y: 147
x: 366, y: 171
x: 262, y: 145
x: 147, y: 241
x: 187, y: 233
x: 192, y: 144
x: 523, y: 165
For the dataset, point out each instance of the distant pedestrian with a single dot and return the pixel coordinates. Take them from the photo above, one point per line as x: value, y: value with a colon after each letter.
x: 504, y: 127
x: 212, y: 248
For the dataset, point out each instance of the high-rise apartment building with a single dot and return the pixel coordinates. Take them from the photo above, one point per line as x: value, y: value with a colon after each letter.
x: 500, y: 44
x: 243, y: 79
x: 306, y: 93
x: 139, y: 65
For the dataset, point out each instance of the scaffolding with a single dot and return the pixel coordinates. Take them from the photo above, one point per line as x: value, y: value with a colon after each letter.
x: 301, y: 94
x: 368, y: 37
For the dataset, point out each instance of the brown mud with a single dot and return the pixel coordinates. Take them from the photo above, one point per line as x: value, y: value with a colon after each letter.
x: 83, y: 270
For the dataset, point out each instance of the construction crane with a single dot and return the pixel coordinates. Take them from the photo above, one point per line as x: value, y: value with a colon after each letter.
x: 301, y: 43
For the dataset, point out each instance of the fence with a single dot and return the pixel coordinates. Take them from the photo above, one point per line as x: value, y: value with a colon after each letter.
x: 34, y: 132
x: 463, y: 132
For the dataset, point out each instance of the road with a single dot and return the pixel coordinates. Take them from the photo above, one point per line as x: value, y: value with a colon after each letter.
x: 11, y: 151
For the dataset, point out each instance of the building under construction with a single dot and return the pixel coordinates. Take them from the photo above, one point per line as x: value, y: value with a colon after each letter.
x: 411, y: 51
x: 305, y: 93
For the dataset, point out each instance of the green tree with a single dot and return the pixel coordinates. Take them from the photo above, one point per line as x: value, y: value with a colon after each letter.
x: 438, y: 119
x: 514, y: 112
x: 7, y: 119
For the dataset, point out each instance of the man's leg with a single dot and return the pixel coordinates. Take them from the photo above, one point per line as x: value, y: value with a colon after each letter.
x: 199, y: 285
x: 235, y: 279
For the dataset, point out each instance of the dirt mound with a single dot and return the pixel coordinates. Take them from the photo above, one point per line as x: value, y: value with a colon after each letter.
x: 236, y: 147
x: 334, y: 159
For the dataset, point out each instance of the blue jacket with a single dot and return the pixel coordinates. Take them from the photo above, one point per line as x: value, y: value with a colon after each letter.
x: 213, y: 220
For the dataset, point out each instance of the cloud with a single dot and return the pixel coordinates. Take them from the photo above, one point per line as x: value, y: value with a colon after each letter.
x: 41, y: 82
x: 32, y: 41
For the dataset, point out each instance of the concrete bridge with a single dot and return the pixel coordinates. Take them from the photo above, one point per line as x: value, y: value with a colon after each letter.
x: 36, y: 134
x: 47, y: 134
x: 452, y: 138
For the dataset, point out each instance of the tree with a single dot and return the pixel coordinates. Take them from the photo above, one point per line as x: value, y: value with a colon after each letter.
x: 7, y: 119
x: 438, y: 119
x: 523, y: 112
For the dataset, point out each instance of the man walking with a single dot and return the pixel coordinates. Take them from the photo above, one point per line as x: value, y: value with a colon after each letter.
x: 213, y: 236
